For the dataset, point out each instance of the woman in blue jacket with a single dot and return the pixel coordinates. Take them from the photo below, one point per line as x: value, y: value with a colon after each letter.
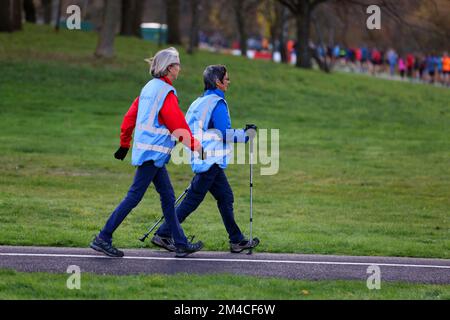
x: 209, y: 119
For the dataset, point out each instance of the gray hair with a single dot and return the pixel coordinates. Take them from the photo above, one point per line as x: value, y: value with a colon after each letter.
x: 212, y: 74
x: 162, y: 60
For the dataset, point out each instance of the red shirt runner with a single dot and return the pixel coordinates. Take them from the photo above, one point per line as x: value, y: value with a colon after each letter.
x: 170, y: 115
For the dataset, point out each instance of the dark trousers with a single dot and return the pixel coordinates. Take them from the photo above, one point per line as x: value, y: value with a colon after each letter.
x: 214, y: 181
x: 145, y: 174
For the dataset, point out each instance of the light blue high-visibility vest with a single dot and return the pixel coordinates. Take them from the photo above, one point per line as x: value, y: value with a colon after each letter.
x: 152, y: 141
x: 198, y: 117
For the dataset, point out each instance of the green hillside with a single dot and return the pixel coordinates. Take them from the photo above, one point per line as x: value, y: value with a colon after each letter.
x: 364, y: 163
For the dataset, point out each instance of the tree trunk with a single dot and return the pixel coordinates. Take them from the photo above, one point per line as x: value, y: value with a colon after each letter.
x: 173, y: 21
x: 274, y: 38
x: 321, y: 61
x: 30, y: 11
x: 281, y: 17
x: 139, y: 11
x: 303, y: 32
x: 274, y: 25
x: 58, y: 15
x: 240, y: 21
x: 6, y: 16
x: 127, y: 17
x: 17, y: 15
x: 111, y: 18
x: 193, y: 39
x: 47, y: 7
x: 323, y: 65
x: 131, y: 17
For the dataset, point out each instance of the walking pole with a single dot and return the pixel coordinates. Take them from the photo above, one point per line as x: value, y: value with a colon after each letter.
x: 251, y: 193
x: 145, y: 236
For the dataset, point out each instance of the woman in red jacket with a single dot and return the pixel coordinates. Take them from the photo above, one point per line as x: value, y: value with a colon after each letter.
x: 159, y: 116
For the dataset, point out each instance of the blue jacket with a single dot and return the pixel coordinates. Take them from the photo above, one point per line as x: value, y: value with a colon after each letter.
x: 210, y: 123
x: 221, y: 121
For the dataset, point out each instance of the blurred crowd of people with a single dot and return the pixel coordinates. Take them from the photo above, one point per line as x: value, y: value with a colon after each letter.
x: 431, y: 68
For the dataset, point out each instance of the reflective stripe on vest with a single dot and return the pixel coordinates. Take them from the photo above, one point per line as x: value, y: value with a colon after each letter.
x: 207, y: 135
x: 217, y: 153
x: 204, y: 114
x: 153, y: 147
x: 198, y: 117
x: 149, y: 126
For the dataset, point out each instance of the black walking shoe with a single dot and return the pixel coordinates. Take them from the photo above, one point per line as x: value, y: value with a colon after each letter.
x: 188, y: 249
x: 243, y: 245
x: 107, y: 248
x: 164, y: 242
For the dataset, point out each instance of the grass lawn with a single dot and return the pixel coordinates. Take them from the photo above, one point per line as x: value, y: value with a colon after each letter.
x: 364, y: 163
x: 15, y: 285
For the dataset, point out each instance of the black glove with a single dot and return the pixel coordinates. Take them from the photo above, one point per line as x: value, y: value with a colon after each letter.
x: 121, y: 153
x: 251, y: 126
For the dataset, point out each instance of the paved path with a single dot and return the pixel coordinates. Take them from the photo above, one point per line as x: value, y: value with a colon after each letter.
x: 291, y: 266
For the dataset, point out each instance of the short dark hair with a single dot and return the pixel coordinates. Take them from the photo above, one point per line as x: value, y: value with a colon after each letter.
x: 212, y: 74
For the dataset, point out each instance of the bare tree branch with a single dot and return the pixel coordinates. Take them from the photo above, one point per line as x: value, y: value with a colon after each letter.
x: 316, y: 3
x: 291, y: 4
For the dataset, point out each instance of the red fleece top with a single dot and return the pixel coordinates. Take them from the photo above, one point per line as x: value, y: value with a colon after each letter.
x: 170, y: 115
